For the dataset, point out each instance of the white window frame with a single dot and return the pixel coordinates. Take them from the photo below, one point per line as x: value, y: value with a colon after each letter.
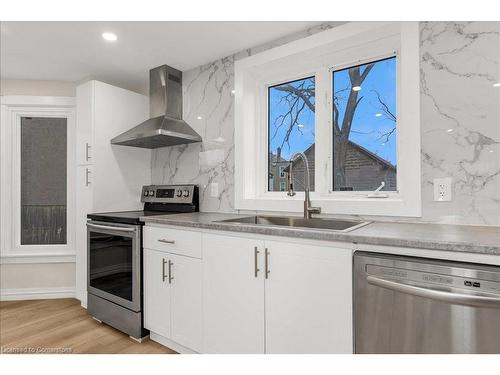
x: 350, y: 44
x: 13, y: 108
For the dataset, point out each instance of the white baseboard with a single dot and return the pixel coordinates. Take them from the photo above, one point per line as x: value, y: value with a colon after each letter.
x: 170, y: 344
x: 20, y: 294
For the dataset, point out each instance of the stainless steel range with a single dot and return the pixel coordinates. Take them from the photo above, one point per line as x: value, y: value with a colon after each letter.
x: 114, y: 253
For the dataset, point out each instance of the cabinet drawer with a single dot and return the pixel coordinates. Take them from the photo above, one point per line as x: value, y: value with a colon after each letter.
x: 174, y: 241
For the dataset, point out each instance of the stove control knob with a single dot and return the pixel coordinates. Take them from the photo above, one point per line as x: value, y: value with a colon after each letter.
x: 151, y: 193
x: 179, y: 193
x: 146, y: 193
x: 185, y: 193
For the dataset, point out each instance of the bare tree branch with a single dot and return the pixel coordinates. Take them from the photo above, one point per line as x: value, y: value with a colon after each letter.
x: 385, y: 108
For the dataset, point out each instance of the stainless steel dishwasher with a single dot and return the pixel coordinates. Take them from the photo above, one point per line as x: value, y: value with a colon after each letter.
x: 416, y: 305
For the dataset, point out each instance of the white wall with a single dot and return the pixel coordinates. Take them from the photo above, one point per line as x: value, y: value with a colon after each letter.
x: 37, y: 88
x: 29, y: 279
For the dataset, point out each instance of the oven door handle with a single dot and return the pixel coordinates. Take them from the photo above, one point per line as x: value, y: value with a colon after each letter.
x: 439, y: 295
x: 106, y: 227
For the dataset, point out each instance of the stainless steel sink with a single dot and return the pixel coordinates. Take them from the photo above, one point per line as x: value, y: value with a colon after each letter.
x: 299, y: 222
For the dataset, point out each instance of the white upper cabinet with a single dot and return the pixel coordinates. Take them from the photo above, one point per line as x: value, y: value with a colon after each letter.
x: 308, y: 299
x: 103, y: 112
x: 84, y: 123
x: 233, y: 295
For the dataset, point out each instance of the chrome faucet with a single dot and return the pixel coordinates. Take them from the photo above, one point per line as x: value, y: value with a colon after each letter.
x: 308, y: 210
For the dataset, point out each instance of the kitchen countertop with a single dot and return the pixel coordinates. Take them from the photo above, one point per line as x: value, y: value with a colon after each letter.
x: 446, y: 237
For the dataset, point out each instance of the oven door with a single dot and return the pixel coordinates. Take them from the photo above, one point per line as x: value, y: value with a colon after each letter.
x: 114, y: 263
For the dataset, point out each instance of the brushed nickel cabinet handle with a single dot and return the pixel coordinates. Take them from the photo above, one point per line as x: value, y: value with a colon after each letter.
x: 267, y: 264
x: 87, y: 180
x: 163, y: 270
x: 170, y: 277
x: 162, y: 240
x: 87, y: 148
x: 256, y: 260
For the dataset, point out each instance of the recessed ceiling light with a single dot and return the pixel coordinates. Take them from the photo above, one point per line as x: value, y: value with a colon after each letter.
x: 449, y: 130
x: 233, y: 92
x: 199, y: 118
x: 110, y: 37
x: 496, y: 84
x: 378, y: 114
x: 356, y: 88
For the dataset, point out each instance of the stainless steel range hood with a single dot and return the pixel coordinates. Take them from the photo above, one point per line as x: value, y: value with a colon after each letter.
x: 166, y: 126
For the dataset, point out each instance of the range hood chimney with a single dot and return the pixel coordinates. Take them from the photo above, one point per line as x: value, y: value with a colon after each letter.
x: 165, y: 126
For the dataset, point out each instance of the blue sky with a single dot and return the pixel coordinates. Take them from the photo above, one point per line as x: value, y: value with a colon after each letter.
x: 302, y: 137
x: 368, y: 124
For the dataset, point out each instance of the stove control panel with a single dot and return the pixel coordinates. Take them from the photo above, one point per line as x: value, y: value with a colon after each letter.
x: 168, y: 193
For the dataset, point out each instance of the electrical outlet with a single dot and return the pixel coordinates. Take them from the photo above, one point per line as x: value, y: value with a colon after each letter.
x: 214, y: 189
x: 442, y: 189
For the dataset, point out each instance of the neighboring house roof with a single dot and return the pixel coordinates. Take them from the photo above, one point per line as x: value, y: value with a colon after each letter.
x: 372, y: 155
x: 309, y: 152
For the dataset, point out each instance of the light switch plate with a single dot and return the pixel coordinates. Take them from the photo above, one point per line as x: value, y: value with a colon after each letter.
x: 442, y: 189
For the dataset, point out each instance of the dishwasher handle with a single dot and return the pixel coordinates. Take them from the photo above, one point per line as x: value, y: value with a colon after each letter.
x: 439, y: 295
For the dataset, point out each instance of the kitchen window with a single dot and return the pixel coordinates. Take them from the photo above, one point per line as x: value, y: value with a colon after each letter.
x: 348, y: 98
x: 37, y: 170
x: 291, y: 128
x: 365, y: 126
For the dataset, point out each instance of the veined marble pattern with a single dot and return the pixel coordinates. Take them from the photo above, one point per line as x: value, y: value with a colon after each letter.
x: 460, y: 119
x: 460, y: 123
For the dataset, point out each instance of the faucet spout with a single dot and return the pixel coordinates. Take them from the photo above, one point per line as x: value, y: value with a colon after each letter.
x: 308, y: 210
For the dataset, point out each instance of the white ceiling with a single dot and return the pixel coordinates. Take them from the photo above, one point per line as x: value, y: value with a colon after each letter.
x: 73, y: 51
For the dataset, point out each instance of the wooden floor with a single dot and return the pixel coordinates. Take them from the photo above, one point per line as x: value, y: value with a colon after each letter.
x: 63, y: 326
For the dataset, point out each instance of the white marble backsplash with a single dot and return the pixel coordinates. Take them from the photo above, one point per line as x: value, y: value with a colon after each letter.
x: 460, y: 119
x: 460, y: 123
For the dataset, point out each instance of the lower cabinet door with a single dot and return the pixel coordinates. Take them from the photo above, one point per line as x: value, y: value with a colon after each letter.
x: 308, y: 299
x: 157, y: 292
x: 186, y: 310
x: 233, y: 295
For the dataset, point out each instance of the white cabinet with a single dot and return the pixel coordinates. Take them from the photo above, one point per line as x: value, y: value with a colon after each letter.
x: 172, y: 297
x: 157, y: 292
x: 308, y: 296
x: 109, y: 177
x: 233, y: 295
x: 186, y: 297
x: 84, y: 122
x: 304, y: 305
x: 247, y: 294
x: 83, y: 205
